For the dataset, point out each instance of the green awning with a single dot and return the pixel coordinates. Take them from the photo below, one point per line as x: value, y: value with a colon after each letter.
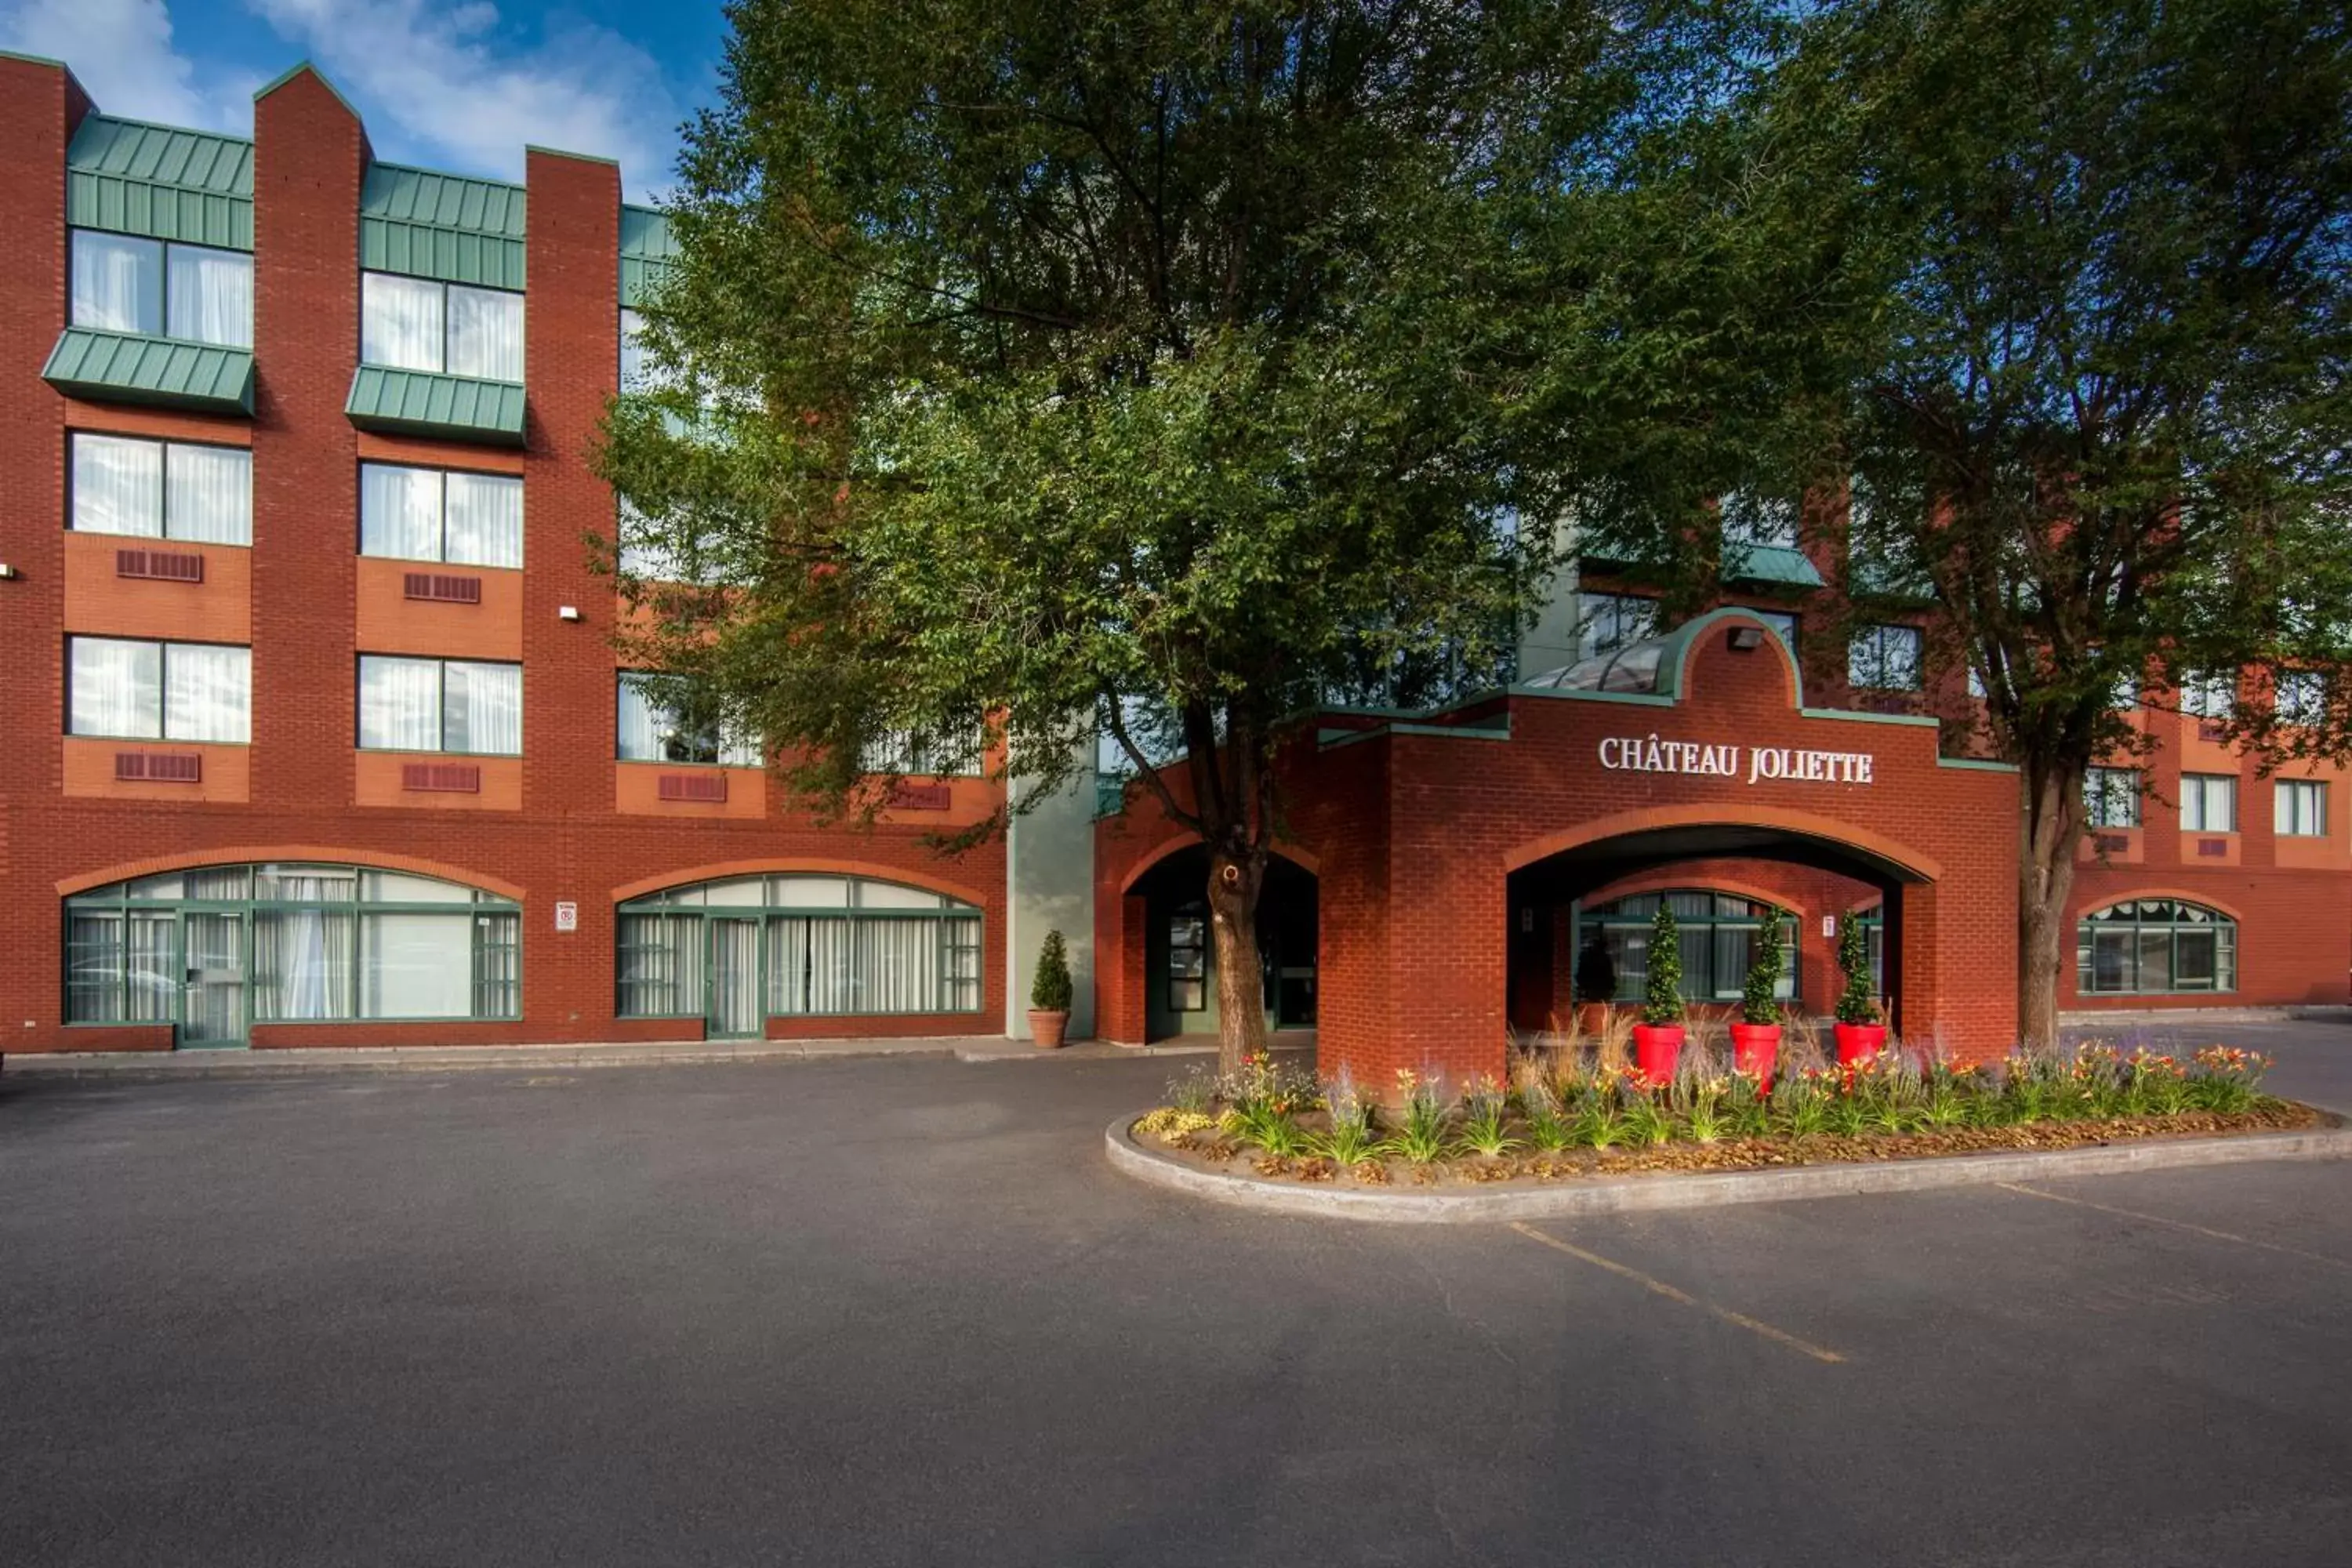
x: 448, y: 227
x: 1774, y: 565
x: 124, y: 367
x: 418, y: 402
x: 162, y: 182
x: 647, y: 251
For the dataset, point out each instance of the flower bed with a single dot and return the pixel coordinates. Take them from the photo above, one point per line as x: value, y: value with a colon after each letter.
x: 1573, y: 1114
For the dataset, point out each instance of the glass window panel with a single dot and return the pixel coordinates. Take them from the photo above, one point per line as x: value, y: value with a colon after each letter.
x: 303, y: 964
x: 633, y: 353
x: 810, y: 892
x: 118, y: 485
x: 118, y: 283
x: 402, y: 888
x: 2155, y: 958
x: 485, y: 519
x: 208, y: 693
x: 2300, y: 809
x: 660, y: 965
x: 483, y: 708
x: 94, y: 967
x: 400, y: 704
x: 169, y: 885
x: 497, y: 965
x: 643, y: 725
x: 2209, y: 696
x: 416, y: 966
x: 400, y: 511
x: 485, y: 334
x: 891, y: 896
x: 2193, y: 957
x: 211, y: 296
x: 210, y: 499
x: 221, y: 883
x: 737, y: 893
x: 2209, y: 803
x: 329, y: 884
x: 117, y: 688
x: 2301, y: 698
x: 400, y: 323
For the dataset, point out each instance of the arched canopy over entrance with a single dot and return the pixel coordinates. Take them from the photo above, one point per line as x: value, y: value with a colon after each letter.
x: 1178, y: 960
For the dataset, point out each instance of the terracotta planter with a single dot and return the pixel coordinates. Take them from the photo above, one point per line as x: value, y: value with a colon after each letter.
x: 1755, y: 1049
x: 1855, y: 1041
x: 1046, y: 1028
x: 1655, y: 1047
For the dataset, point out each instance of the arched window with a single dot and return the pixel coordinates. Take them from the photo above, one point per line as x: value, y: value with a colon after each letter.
x: 214, y: 948
x: 792, y: 945
x: 1718, y: 936
x: 2154, y: 946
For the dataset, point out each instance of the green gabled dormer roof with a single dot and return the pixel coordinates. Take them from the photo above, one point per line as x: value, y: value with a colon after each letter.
x: 162, y: 182
x: 648, y: 247
x: 448, y: 226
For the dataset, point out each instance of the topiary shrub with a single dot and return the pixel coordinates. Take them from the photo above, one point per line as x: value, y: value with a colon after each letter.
x: 1662, y: 997
x: 1759, y: 1002
x: 1855, y: 1004
x: 1050, y: 991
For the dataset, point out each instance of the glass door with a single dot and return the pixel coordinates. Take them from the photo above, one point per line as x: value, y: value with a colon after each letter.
x: 735, y: 1011
x: 213, y: 1005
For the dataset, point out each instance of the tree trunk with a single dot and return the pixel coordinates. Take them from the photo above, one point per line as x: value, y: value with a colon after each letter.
x: 2051, y: 828
x: 1233, y: 884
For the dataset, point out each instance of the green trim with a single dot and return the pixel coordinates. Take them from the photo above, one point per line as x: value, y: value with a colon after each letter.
x: 1977, y: 764
x: 1863, y: 716
x: 1774, y: 565
x: 128, y: 176
x: 1638, y: 698
x: 577, y: 157
x: 297, y: 68
x: 35, y: 60
x: 420, y: 403
x: 446, y: 226
x: 126, y: 367
x: 648, y: 251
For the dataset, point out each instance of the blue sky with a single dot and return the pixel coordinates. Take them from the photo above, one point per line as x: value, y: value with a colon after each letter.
x: 460, y: 85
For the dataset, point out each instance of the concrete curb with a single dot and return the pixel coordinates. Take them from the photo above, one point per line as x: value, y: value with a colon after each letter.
x: 1653, y: 1190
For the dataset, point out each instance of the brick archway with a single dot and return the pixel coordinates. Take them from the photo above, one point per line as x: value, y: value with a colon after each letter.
x: 321, y: 854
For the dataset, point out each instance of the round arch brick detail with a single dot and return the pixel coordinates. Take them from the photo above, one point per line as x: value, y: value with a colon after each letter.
x: 1726, y: 814
x: 245, y: 854
x: 795, y: 864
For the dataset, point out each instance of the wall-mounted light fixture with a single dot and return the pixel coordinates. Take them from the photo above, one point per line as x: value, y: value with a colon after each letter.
x: 8, y: 572
x: 568, y: 613
x: 1747, y: 639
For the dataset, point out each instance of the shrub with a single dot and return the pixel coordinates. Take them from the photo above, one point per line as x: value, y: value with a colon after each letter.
x: 1483, y: 1107
x: 1174, y: 1124
x: 1421, y: 1136
x: 1351, y: 1140
x: 1662, y: 996
x: 2226, y: 1078
x: 1759, y: 1000
x: 1050, y: 991
x: 1855, y: 1004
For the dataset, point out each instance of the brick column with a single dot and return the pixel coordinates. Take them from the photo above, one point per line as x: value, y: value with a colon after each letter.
x: 572, y: 360
x: 40, y: 106
x: 311, y: 154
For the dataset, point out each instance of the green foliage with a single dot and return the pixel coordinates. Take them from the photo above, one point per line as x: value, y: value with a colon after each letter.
x: 1855, y: 1004
x: 1662, y: 995
x: 1050, y: 991
x: 1421, y: 1135
x: 1194, y: 1091
x: 1760, y: 998
x: 1483, y: 1131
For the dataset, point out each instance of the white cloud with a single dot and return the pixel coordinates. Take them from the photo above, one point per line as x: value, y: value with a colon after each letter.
x: 441, y: 82
x: 122, y: 51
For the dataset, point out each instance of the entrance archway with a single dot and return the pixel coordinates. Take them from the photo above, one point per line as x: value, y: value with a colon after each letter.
x: 1180, y: 961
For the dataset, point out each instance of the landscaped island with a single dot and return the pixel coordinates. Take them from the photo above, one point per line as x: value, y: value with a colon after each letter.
x: 1582, y: 1109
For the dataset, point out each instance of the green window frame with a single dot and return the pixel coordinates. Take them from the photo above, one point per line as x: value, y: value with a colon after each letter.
x: 830, y: 946
x: 2155, y: 947
x: 1718, y: 935
x: 344, y: 918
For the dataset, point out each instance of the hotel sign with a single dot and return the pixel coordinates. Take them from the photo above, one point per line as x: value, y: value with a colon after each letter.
x: 1649, y: 754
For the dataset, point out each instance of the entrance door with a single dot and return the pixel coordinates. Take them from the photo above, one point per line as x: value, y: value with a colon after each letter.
x: 213, y: 1005
x: 735, y: 1011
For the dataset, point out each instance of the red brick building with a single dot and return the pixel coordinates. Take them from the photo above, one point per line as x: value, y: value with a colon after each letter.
x: 318, y: 734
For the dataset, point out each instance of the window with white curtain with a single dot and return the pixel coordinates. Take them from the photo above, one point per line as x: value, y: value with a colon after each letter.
x: 903, y: 752
x: 651, y: 730
x: 2299, y: 808
x: 430, y: 514
x: 2209, y: 696
x: 129, y: 689
x: 122, y: 283
x: 440, y: 705
x: 162, y: 489
x: 634, y: 375
x: 416, y: 324
x: 2209, y: 803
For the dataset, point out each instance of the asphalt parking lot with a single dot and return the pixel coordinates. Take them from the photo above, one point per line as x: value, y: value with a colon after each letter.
x: 903, y: 1312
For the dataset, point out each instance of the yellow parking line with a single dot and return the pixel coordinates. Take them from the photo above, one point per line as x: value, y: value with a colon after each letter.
x: 1660, y: 1287
x: 2176, y: 1223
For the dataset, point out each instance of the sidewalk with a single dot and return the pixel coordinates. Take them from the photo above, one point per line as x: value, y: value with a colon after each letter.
x: 530, y: 1058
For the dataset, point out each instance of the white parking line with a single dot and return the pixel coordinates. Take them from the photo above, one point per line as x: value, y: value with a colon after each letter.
x: 2205, y: 1230
x: 1659, y: 1287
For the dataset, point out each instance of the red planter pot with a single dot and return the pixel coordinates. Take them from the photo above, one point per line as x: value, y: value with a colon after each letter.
x: 1855, y: 1041
x: 1655, y: 1047
x: 1756, y: 1050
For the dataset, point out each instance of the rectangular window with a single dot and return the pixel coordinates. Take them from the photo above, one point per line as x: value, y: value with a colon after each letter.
x: 903, y: 752
x: 2209, y: 696
x: 440, y: 705
x: 2302, y: 697
x: 2299, y: 808
x: 162, y: 489
x: 1607, y: 622
x: 635, y: 371
x: 427, y: 514
x: 1781, y: 621
x: 2111, y: 798
x: 125, y: 284
x: 159, y: 691
x: 1884, y: 659
x: 2209, y: 803
x: 1754, y: 522
x: 652, y: 731
x: 415, y: 323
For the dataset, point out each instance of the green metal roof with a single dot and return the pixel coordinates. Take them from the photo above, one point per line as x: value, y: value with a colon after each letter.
x: 648, y: 247
x: 162, y: 182
x: 123, y: 367
x: 442, y: 226
x: 1775, y: 564
x: 418, y: 402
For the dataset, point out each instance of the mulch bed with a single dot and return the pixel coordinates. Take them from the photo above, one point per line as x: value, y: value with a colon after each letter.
x: 1215, y: 1151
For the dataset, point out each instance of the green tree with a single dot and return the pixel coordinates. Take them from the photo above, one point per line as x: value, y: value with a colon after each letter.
x: 2087, y: 304
x: 1662, y: 989
x: 1157, y: 366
